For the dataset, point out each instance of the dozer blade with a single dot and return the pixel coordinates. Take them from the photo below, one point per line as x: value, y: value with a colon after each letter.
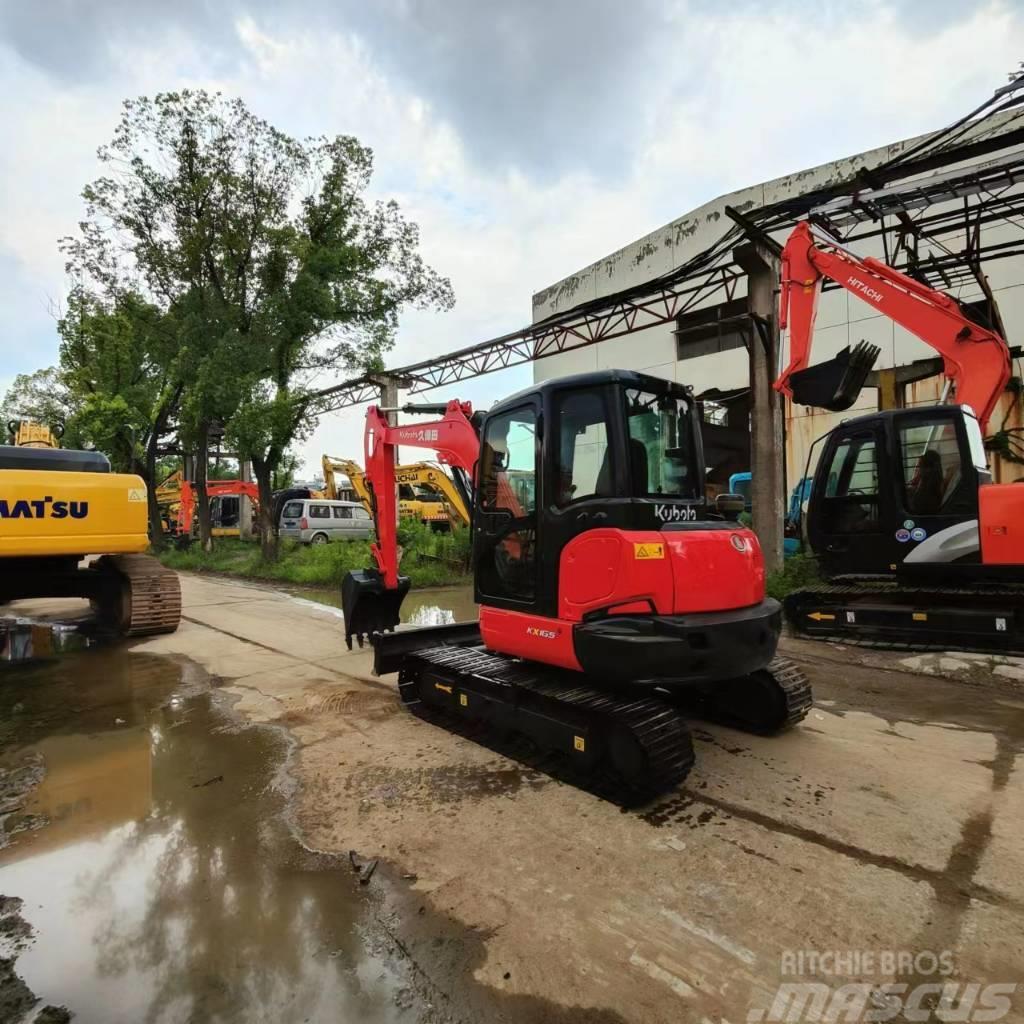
x: 368, y: 605
x: 836, y: 383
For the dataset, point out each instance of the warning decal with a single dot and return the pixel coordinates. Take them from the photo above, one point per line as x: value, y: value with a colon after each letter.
x: 653, y: 550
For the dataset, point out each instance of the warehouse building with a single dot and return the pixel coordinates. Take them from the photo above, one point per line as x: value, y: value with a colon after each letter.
x: 707, y: 346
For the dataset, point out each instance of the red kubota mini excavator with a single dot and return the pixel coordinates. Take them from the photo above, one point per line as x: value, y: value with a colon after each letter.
x: 609, y: 594
x: 921, y: 549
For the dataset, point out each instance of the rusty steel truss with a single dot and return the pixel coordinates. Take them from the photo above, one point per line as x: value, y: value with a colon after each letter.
x: 905, y: 202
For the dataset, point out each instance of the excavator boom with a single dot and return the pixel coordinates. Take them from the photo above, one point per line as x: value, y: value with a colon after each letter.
x: 976, y: 359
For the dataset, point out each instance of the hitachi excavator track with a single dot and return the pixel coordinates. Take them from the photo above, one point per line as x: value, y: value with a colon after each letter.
x: 887, y: 614
x: 143, y: 599
x: 626, y: 748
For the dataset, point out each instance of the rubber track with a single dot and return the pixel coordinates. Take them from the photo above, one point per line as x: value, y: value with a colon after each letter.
x: 155, y: 594
x: 657, y: 727
x: 786, y: 675
x: 886, y: 589
x: 797, y: 689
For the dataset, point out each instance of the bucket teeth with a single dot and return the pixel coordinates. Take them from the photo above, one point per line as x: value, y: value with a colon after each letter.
x: 369, y: 606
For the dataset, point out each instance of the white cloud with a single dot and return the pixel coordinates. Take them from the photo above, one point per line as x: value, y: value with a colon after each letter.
x: 735, y: 95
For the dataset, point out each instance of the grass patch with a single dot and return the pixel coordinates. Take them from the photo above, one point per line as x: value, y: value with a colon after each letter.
x: 797, y: 571
x: 430, y: 559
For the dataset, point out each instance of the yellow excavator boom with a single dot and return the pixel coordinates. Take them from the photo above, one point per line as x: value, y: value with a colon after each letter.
x: 447, y: 508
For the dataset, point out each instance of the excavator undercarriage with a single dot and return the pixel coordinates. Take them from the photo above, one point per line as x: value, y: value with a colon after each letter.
x: 627, y: 742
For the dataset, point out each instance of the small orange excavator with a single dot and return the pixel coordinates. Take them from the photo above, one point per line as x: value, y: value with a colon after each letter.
x: 214, y: 489
x: 612, y: 597
x: 921, y: 549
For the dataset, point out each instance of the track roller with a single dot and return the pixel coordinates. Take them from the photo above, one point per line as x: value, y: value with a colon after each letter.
x: 765, y: 702
x: 140, y: 596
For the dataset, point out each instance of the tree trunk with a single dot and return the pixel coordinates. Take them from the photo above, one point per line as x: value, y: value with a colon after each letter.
x: 264, y: 474
x: 202, y: 501
x: 156, y: 524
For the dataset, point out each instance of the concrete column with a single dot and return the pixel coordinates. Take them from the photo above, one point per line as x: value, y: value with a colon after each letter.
x: 244, y: 504
x: 767, y: 440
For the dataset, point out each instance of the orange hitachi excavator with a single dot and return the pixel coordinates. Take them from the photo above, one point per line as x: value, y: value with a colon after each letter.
x: 921, y: 549
x: 610, y: 593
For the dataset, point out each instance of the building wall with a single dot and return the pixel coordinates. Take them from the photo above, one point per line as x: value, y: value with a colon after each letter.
x: 842, y: 318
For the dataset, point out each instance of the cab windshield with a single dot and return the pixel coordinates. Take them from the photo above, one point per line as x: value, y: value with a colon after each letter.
x: 661, y: 454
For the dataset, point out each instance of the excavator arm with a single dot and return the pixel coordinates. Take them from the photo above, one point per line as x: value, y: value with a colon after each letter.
x: 371, y: 599
x: 976, y: 360
x: 355, y: 475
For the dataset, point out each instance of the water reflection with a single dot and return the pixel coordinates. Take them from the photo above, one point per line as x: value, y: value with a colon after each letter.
x: 433, y: 606
x: 163, y: 885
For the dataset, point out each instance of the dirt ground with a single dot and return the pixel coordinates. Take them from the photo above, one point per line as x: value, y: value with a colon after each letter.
x: 889, y: 821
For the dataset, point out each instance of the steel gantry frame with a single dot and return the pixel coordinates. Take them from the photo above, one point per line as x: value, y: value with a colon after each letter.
x: 899, y: 201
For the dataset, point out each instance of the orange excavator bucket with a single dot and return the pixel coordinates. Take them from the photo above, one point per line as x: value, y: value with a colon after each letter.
x: 369, y: 606
x: 836, y: 383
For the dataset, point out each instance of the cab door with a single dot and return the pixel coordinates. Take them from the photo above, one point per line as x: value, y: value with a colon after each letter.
x: 505, y: 543
x: 850, y: 517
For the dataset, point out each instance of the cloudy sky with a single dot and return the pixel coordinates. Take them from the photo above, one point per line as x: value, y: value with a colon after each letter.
x: 527, y: 138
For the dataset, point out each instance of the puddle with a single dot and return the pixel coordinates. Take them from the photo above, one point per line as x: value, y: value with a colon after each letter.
x: 157, y: 872
x: 431, y: 606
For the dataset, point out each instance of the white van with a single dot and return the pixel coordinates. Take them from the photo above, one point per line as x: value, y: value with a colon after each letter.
x: 317, y: 520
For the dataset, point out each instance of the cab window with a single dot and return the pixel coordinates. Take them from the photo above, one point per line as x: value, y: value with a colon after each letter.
x: 851, y: 488
x: 585, y: 461
x: 293, y: 510
x: 661, y: 450
x: 932, y: 467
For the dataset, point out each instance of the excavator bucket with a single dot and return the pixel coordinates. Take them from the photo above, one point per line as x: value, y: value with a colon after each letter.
x: 836, y: 383
x: 369, y: 606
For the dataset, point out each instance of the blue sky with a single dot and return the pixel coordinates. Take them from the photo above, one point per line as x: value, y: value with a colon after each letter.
x: 527, y: 139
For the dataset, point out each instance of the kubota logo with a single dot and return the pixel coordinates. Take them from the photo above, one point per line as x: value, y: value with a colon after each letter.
x: 42, y: 508
x: 544, y: 634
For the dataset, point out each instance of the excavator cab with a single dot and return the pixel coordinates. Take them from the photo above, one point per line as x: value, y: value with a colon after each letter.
x: 897, y: 492
x: 611, y: 450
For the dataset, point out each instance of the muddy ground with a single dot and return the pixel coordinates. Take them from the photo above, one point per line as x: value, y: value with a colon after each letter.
x: 889, y: 821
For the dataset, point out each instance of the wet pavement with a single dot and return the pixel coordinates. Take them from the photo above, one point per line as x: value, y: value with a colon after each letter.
x: 888, y: 822
x: 144, y: 828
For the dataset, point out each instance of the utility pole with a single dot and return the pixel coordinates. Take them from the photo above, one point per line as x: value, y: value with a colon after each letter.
x: 244, y: 504
x: 767, y: 440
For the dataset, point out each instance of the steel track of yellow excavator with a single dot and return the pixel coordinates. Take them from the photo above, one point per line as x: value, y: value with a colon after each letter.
x: 143, y: 600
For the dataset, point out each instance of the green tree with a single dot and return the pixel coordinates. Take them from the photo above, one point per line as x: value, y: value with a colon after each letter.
x: 118, y: 361
x: 263, y: 253
x: 41, y: 397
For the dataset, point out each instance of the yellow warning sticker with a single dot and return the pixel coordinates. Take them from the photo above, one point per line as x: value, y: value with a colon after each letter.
x: 137, y: 494
x: 920, y: 616
x: 442, y: 687
x: 821, y: 616
x: 648, y: 550
x: 463, y: 700
x: 579, y: 743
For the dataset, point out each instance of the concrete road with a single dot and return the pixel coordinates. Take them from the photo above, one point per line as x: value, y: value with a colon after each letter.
x: 886, y: 829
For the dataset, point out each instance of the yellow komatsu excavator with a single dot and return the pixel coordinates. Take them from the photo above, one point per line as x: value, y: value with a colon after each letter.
x: 425, y: 491
x: 59, y: 506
